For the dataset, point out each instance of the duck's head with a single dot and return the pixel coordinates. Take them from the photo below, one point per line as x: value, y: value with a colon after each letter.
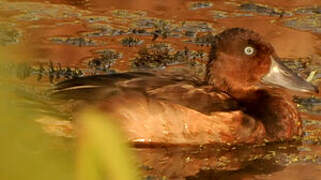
x: 241, y: 60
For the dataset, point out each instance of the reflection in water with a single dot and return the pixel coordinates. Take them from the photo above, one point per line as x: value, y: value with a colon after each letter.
x: 97, y: 36
x: 176, y: 162
x: 208, y: 162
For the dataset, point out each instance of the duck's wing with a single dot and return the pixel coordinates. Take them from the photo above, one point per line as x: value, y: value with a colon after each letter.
x: 101, y: 86
x: 167, y: 87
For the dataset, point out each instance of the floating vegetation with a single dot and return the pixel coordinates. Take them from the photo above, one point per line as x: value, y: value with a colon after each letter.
x: 100, y: 26
x: 122, y: 13
x: 107, y: 30
x: 312, y: 131
x: 162, y: 46
x: 311, y: 104
x: 157, y: 28
x: 104, y: 61
x: 223, y: 14
x: 140, y: 32
x: 145, y: 23
x: 220, y: 14
x: 200, y: 5
x: 164, y: 29
x: 308, y: 68
x: 196, y: 26
x: 308, y: 10
x: 95, y: 19
x: 306, y: 23
x: 108, y: 52
x: 161, y: 55
x: 9, y: 35
x: 75, y: 41
x: 203, y: 39
x: 299, y: 66
x: 153, y: 58
x: 57, y: 72
x: 104, y: 30
x: 130, y: 41
x: 52, y: 72
x: 98, y: 33
x: 199, y: 54
x: 263, y: 9
x: 156, y: 58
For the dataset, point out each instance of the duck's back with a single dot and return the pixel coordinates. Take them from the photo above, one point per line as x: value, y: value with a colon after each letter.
x: 172, y: 88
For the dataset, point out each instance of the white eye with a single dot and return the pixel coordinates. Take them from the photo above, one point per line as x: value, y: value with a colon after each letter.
x: 249, y: 50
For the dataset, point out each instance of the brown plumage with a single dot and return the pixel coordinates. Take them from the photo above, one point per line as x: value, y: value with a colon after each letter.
x: 240, y: 101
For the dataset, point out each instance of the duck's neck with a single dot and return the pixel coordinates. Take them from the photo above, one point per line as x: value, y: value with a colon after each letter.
x: 271, y: 106
x: 277, y: 112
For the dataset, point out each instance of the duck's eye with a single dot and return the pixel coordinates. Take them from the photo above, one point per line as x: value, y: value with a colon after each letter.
x: 249, y: 50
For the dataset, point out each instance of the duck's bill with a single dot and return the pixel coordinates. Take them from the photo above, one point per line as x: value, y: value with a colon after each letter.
x: 282, y: 76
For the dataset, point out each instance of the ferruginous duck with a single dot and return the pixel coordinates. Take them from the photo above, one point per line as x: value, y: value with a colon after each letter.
x: 241, y: 100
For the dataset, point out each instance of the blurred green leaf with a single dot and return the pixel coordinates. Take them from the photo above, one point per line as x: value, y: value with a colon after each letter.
x: 26, y: 151
x: 103, y: 152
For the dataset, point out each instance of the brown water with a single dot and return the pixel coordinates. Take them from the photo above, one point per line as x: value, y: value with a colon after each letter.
x: 99, y: 36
